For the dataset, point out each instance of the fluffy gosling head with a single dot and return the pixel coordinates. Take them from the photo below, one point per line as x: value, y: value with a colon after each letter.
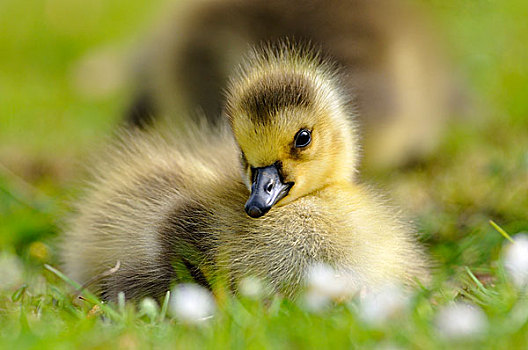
x: 292, y: 122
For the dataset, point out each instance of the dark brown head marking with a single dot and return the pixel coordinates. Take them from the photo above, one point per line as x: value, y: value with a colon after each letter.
x: 265, y: 98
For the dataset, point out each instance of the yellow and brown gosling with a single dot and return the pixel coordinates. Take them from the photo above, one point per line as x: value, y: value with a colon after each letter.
x: 267, y: 198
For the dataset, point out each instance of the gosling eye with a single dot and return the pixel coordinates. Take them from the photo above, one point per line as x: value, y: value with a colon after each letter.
x: 303, y: 138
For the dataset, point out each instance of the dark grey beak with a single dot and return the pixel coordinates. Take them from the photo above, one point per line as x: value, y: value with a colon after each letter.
x: 266, y: 190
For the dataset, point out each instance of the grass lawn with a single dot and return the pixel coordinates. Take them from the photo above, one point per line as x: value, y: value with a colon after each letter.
x: 51, y: 119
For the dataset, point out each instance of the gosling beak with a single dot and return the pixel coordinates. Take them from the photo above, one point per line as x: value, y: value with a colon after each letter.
x: 266, y: 190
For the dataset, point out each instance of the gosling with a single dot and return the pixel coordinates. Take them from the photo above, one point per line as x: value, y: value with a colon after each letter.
x: 268, y: 197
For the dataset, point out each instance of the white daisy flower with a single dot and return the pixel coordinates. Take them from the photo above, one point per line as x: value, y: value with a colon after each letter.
x: 11, y: 271
x: 191, y: 303
x: 461, y: 320
x: 324, y: 283
x: 377, y: 307
x: 149, y: 307
x: 326, y: 280
x: 252, y: 287
x: 516, y: 260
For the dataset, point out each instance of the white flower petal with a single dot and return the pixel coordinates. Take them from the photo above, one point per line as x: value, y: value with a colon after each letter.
x: 516, y: 260
x: 461, y: 320
x: 327, y: 281
x: 377, y: 307
x: 11, y: 271
x: 191, y: 303
x: 252, y: 287
x: 315, y: 302
x: 149, y: 307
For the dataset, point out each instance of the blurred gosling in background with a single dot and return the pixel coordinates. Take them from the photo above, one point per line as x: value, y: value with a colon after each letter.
x: 391, y: 59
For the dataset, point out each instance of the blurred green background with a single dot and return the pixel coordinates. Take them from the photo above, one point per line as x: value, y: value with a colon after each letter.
x: 64, y: 70
x: 63, y: 66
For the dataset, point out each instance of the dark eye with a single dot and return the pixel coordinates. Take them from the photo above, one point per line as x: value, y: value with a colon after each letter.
x: 303, y: 138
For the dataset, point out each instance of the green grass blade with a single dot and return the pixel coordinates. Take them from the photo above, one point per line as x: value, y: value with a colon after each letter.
x: 165, y: 306
x: 501, y: 231
x: 88, y: 296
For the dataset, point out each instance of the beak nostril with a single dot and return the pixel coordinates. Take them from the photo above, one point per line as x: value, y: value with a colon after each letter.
x: 254, y: 212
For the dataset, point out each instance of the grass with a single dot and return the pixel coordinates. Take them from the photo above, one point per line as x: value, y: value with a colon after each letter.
x: 48, y: 124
